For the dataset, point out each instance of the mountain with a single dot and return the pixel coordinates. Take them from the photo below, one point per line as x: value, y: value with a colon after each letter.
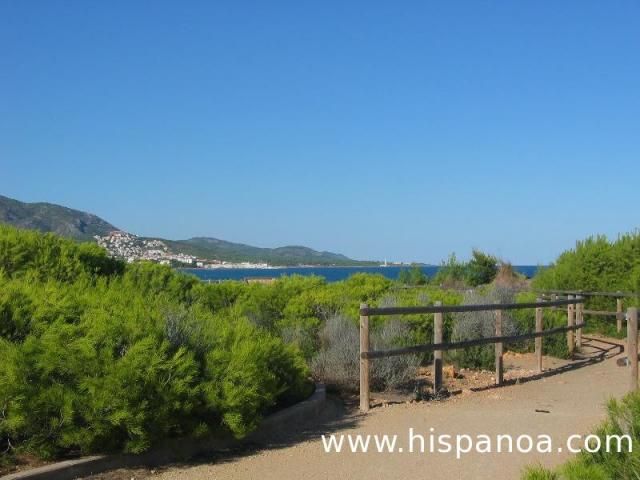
x: 213, y: 248
x: 47, y: 217
x: 82, y: 226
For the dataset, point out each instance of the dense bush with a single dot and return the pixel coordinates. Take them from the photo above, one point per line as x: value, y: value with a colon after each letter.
x: 481, y: 269
x: 49, y: 257
x: 596, y: 264
x: 102, y: 356
x: 119, y: 356
x: 412, y: 276
x: 623, y: 418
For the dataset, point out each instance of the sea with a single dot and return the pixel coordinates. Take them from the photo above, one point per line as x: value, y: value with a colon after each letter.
x: 331, y: 274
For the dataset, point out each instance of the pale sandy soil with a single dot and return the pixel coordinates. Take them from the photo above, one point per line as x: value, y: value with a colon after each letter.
x: 568, y: 399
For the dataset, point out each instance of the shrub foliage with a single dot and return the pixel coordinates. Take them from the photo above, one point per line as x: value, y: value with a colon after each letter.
x: 98, y: 355
x: 102, y: 356
x: 623, y: 418
x: 481, y: 269
x: 597, y: 264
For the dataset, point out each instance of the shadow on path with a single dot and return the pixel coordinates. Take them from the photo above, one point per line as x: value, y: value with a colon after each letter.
x: 335, y: 417
x: 594, y: 350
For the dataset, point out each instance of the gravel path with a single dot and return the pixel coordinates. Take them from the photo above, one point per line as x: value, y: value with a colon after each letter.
x: 568, y: 400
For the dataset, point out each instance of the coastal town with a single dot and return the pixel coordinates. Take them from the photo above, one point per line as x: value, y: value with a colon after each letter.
x: 132, y: 248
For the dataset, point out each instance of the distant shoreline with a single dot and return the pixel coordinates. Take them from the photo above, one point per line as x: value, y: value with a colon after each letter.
x: 331, y: 273
x: 280, y: 267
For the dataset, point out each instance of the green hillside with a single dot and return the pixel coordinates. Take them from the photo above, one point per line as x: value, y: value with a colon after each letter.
x: 47, y: 217
x: 82, y: 226
x: 214, y: 248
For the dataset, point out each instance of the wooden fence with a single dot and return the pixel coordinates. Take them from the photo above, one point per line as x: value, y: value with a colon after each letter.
x: 631, y: 318
x: 619, y: 296
x: 575, y: 323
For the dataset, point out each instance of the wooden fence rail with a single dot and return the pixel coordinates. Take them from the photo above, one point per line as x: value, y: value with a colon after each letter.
x: 619, y: 296
x: 631, y: 318
x: 369, y: 311
x: 575, y: 323
x: 430, y: 347
x: 592, y: 294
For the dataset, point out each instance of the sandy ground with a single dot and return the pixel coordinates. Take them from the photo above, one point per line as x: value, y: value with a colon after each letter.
x: 567, y: 399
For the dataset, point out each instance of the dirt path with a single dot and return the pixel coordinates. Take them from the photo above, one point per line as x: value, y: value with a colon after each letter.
x: 567, y: 400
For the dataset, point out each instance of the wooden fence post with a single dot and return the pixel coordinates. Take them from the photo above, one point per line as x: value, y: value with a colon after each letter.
x: 632, y: 347
x: 619, y: 314
x: 538, y: 341
x: 364, y: 362
x: 437, y: 354
x: 579, y: 320
x: 499, y: 347
x: 570, y: 323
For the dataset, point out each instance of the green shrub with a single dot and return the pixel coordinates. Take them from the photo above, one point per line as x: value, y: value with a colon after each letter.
x: 537, y: 472
x: 623, y: 418
x: 597, y: 264
x: 481, y: 269
x: 102, y: 356
x: 99, y: 355
x: 49, y: 257
x: 412, y: 276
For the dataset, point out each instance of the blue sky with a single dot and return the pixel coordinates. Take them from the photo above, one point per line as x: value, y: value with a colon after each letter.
x: 398, y: 130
